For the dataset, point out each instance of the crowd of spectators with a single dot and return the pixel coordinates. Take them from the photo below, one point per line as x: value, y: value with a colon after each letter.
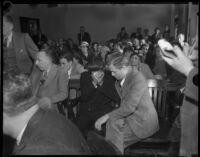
x: 55, y: 62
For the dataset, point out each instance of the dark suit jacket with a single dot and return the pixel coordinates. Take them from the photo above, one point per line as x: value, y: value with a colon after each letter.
x: 85, y: 37
x: 25, y: 51
x: 55, y: 87
x: 99, y: 99
x: 49, y: 133
x: 136, y: 106
x: 189, y: 115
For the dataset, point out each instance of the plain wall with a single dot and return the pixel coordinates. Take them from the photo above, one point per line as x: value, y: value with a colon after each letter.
x: 102, y: 21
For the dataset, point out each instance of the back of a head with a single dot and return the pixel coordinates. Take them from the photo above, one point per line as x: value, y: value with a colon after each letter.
x: 17, y: 93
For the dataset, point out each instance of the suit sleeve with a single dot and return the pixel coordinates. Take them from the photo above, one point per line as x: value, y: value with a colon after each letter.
x: 149, y: 72
x: 130, y: 102
x: 191, y: 88
x: 87, y: 88
x: 62, y: 88
x: 30, y: 46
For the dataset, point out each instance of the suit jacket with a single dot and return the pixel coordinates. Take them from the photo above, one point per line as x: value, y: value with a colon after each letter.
x: 85, y: 37
x: 25, y: 51
x: 189, y: 115
x: 98, y: 100
x: 49, y: 133
x: 77, y: 69
x: 136, y: 107
x: 55, y: 87
x: 146, y: 71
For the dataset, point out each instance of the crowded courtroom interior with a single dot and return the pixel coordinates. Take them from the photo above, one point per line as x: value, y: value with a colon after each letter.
x: 100, y: 79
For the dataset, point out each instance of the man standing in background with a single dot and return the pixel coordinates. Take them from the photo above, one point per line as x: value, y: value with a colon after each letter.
x: 83, y: 36
x: 18, y: 48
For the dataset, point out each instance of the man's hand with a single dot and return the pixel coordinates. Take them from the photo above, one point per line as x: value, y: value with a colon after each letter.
x: 44, y: 103
x: 179, y: 62
x: 101, y: 121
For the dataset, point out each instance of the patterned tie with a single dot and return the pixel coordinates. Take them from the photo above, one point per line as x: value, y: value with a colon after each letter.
x: 44, y: 77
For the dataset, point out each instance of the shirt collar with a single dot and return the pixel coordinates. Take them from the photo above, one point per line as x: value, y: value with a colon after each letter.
x: 19, y: 137
x: 122, y: 82
x: 9, y: 38
x: 69, y: 72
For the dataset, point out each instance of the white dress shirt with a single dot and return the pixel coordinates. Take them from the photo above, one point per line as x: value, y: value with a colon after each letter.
x: 19, y: 137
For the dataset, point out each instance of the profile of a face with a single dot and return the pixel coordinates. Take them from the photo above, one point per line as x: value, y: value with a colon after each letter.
x: 84, y: 50
x: 7, y: 27
x: 117, y: 73
x: 135, y: 60
x: 66, y: 65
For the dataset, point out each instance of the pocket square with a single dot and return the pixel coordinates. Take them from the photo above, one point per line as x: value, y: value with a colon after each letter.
x: 21, y: 50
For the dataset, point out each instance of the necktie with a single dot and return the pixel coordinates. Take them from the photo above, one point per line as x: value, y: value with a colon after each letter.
x: 44, y: 77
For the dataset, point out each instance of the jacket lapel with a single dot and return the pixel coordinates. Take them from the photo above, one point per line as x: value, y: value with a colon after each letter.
x: 127, y: 83
x: 29, y: 132
x: 51, y: 75
x: 118, y: 88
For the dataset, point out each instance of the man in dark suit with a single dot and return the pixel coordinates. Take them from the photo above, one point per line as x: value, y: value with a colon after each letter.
x: 83, y: 36
x: 38, y: 131
x: 98, y: 95
x: 136, y: 118
x: 19, y: 49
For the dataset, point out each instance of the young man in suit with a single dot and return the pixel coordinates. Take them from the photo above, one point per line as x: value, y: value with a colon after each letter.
x: 49, y: 80
x: 19, y: 49
x: 37, y: 131
x: 136, y: 118
x: 72, y: 68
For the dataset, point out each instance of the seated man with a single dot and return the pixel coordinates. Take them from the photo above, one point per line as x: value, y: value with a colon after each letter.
x: 98, y: 95
x: 73, y: 69
x: 38, y: 131
x: 136, y: 118
x: 49, y: 80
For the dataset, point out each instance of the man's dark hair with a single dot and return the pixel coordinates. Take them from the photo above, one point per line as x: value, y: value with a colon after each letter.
x: 128, y: 49
x: 68, y: 56
x: 9, y: 19
x: 96, y: 65
x: 17, y: 93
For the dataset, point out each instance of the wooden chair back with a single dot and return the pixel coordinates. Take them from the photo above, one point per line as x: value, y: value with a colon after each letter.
x: 158, y: 95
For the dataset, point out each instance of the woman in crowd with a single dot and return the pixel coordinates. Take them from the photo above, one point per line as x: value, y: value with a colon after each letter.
x: 142, y: 67
x: 86, y: 56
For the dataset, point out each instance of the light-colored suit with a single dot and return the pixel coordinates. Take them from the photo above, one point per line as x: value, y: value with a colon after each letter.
x: 55, y: 87
x: 189, y: 116
x: 136, y: 109
x: 76, y: 71
x: 25, y: 51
